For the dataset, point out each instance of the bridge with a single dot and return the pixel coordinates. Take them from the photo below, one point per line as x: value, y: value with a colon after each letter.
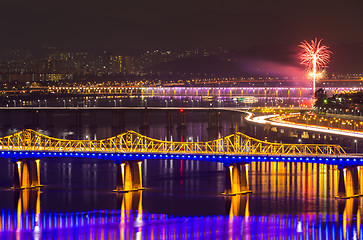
x: 195, y: 91
x: 129, y: 149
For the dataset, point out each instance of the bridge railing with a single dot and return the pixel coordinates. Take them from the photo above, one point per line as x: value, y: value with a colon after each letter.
x: 130, y: 141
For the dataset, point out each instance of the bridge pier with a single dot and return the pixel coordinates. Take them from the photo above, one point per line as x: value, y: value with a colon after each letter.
x: 349, y: 183
x: 236, y: 181
x: 214, y: 120
x: 169, y: 117
x: 26, y: 173
x: 93, y: 119
x: 243, y: 128
x: 129, y: 176
x: 144, y: 122
x: 266, y: 132
x: 182, y: 120
x: 233, y: 127
x: 75, y: 122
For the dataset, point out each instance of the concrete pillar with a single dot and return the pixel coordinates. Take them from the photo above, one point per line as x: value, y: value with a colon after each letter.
x: 260, y: 132
x: 243, y: 125
x: 348, y: 183
x: 25, y: 176
x: 233, y: 128
x: 144, y: 120
x: 214, y: 119
x: 267, y: 128
x: 93, y: 119
x: 137, y: 175
x: 236, y: 181
x: 169, y: 119
x: 35, y: 122
x: 35, y: 172
x: 182, y: 119
x: 26, y: 173
x: 119, y: 177
x: 129, y: 176
x: 17, y: 174
x: 74, y: 122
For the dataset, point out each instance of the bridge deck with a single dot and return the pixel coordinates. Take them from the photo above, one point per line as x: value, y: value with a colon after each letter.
x: 226, y: 159
x: 236, y: 147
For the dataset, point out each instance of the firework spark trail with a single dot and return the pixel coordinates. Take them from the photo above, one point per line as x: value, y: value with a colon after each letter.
x: 314, y: 56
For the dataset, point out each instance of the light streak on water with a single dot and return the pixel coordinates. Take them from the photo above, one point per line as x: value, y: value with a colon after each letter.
x: 132, y: 224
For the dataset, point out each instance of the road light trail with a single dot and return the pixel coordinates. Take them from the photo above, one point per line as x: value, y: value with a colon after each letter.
x: 267, y: 120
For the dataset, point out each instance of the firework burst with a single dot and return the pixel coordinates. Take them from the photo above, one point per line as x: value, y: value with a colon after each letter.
x: 315, y: 57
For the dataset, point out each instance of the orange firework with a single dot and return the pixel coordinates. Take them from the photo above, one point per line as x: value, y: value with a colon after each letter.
x: 315, y: 56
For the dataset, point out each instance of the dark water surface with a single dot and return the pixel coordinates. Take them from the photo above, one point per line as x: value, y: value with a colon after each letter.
x: 181, y: 196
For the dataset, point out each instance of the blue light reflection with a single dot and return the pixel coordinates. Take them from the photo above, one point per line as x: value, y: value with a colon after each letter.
x: 141, y: 225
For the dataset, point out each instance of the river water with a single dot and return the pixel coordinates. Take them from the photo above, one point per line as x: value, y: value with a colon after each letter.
x: 182, y: 199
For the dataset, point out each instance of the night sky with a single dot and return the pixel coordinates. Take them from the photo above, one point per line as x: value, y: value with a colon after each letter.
x: 166, y: 24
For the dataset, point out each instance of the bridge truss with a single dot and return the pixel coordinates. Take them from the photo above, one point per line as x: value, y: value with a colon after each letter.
x: 133, y: 142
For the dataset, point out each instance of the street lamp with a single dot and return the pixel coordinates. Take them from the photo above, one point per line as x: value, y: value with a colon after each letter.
x: 356, y: 145
x: 64, y: 103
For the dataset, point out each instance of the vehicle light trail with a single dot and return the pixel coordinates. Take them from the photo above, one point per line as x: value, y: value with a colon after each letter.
x: 266, y: 120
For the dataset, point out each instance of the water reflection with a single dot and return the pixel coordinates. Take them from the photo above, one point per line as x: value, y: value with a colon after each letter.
x: 127, y: 223
x: 238, y: 205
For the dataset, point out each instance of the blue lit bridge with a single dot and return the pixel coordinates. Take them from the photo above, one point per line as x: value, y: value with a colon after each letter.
x: 128, y: 150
